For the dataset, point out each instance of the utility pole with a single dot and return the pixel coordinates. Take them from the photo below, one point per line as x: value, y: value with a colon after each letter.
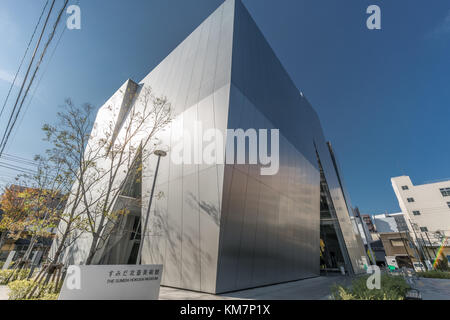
x: 414, y: 225
x: 429, y: 241
x: 404, y: 245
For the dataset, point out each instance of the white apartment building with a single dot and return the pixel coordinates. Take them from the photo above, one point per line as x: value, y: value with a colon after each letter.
x: 426, y: 206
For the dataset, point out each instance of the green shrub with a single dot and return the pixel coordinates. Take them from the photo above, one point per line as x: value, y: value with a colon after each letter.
x: 19, y: 290
x: 442, y: 263
x: 4, y: 274
x: 2, y: 263
x: 392, y: 288
x: 434, y: 274
x: 14, y: 274
x: 340, y: 293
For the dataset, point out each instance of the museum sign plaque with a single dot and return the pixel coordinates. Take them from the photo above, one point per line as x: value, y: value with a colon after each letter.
x: 112, y: 282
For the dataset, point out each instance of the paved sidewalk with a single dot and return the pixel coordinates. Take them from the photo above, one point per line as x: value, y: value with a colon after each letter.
x: 434, y: 289
x: 317, y: 288
x: 309, y: 289
x: 4, y: 293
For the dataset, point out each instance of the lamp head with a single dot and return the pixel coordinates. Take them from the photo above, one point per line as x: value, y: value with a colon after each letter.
x: 160, y: 153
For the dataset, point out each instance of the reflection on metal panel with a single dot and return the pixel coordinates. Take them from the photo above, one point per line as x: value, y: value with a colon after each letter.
x: 269, y: 224
x: 219, y: 228
x: 262, y: 95
x: 195, y: 78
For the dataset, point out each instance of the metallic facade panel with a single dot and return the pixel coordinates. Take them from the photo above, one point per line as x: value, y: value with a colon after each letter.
x: 263, y: 96
x: 281, y: 211
x: 173, y: 234
x: 219, y: 228
x: 244, y: 269
x: 195, y: 77
x: 209, y: 225
x: 190, y: 241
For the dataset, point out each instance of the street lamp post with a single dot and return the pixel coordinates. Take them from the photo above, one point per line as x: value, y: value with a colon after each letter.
x: 159, y: 153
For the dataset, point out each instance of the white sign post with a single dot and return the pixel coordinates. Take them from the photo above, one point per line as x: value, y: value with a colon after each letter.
x: 391, y: 262
x: 112, y: 282
x: 9, y: 260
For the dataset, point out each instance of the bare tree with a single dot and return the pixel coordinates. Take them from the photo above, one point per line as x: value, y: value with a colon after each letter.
x: 69, y: 138
x: 46, y: 196
x: 103, y: 161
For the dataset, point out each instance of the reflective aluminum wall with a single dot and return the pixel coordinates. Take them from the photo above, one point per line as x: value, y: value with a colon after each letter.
x: 218, y: 228
x: 183, y: 232
x: 269, y: 229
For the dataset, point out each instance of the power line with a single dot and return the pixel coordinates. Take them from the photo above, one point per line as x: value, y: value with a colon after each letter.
x: 40, y: 80
x: 15, y: 164
x: 6, y: 176
x: 55, y: 26
x: 22, y: 163
x: 23, y: 59
x: 18, y: 159
x: 6, y: 155
x: 16, y: 168
x: 25, y: 170
x: 28, y: 71
x: 19, y: 164
x: 5, y: 139
x: 38, y: 83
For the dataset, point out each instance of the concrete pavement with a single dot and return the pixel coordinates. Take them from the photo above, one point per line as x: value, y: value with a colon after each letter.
x: 434, y: 289
x: 317, y: 288
x: 4, y: 293
x: 309, y: 289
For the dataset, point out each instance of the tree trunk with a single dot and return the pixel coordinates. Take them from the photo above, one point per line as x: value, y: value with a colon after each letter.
x: 30, y: 248
x: 93, y: 248
x: 50, y: 268
x: 3, y: 238
x: 94, y: 243
x: 60, y: 248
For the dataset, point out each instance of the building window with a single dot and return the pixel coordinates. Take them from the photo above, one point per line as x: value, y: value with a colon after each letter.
x: 405, y: 188
x: 445, y: 192
x: 397, y: 243
x: 423, y: 229
x: 410, y: 199
x: 416, y: 213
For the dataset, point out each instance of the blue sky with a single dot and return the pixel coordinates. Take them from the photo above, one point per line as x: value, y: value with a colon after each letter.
x: 383, y: 96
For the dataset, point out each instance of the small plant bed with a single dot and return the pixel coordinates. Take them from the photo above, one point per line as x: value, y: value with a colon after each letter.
x: 435, y: 274
x: 392, y: 288
x: 20, y: 290
x: 9, y: 275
